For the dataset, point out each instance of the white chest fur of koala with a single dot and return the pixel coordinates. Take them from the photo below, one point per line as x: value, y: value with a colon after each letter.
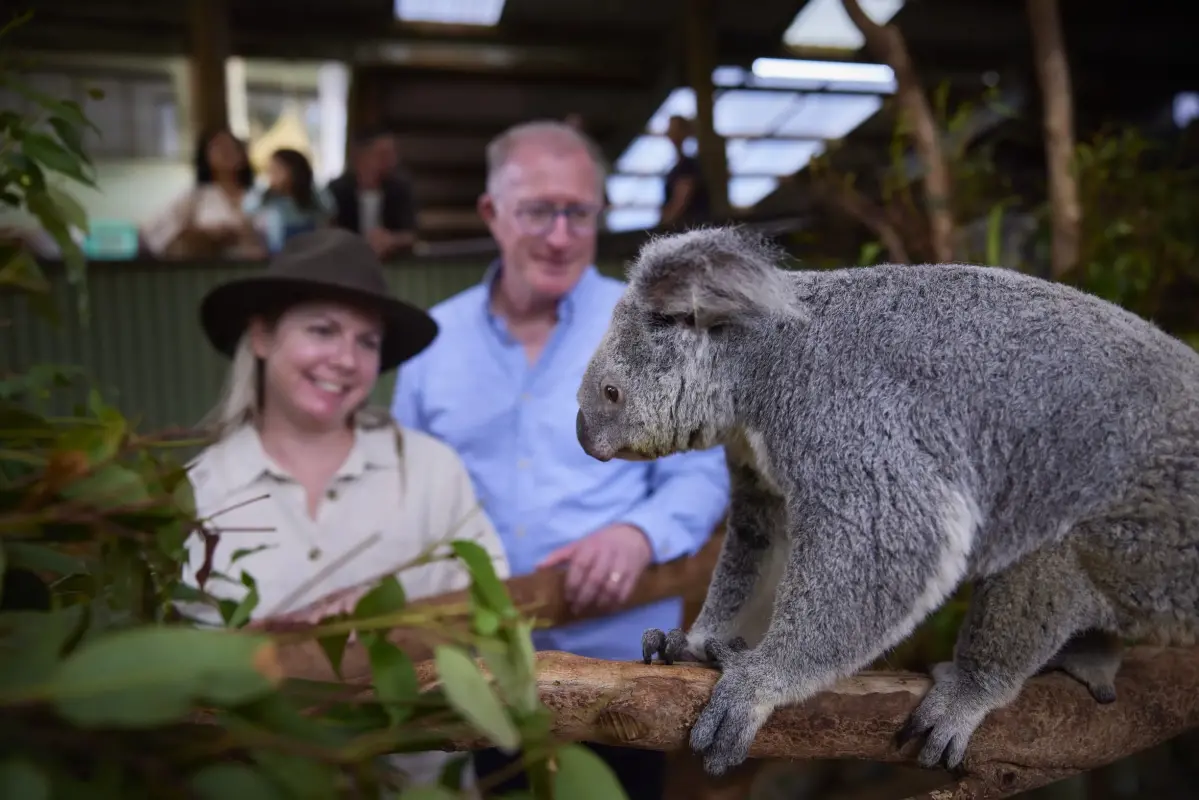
x: 890, y: 433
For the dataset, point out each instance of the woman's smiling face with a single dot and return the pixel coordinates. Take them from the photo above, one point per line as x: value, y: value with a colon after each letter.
x: 321, y: 362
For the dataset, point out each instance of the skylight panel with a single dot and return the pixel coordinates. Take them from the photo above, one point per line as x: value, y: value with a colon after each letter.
x: 746, y: 191
x: 450, y: 12
x: 831, y: 75
x: 770, y: 156
x: 824, y: 23
x: 681, y: 101
x: 829, y: 116
x: 632, y: 219
x: 630, y: 190
x: 647, y: 155
x: 741, y: 112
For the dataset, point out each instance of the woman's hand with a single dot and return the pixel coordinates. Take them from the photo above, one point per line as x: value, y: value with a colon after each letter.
x: 342, y: 601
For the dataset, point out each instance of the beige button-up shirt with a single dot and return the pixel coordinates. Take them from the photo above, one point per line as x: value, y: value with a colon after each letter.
x: 382, y: 510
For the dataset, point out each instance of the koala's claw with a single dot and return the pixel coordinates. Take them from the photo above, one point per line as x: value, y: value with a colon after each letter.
x: 730, y: 721
x: 949, y: 714
x: 673, y: 647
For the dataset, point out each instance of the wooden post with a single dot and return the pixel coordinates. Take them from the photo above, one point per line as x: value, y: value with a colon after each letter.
x: 208, y: 26
x: 700, y: 52
x: 1049, y: 50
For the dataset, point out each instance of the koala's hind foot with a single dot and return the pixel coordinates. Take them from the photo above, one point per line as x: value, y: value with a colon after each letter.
x: 1018, y: 622
x: 675, y: 646
x: 1093, y: 659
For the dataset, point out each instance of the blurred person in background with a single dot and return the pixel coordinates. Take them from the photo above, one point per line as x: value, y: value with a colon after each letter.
x: 207, y: 220
x: 372, y: 198
x: 499, y: 386
x: 687, y: 200
x: 290, y: 203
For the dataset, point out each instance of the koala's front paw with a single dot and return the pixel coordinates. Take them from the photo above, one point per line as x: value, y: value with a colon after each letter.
x: 951, y: 711
x: 677, y: 646
x: 735, y: 712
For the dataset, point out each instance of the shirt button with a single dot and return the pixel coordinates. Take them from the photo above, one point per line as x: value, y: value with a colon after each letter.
x: 520, y: 531
x: 331, y: 494
x: 525, y: 397
x: 523, y: 463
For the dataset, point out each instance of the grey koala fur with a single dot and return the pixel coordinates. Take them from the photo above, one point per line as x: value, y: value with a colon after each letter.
x: 891, y: 432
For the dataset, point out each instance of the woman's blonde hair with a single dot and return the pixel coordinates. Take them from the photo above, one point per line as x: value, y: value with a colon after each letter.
x: 240, y: 401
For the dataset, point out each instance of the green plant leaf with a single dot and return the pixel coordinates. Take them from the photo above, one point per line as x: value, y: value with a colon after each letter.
x: 147, y: 676
x: 111, y: 486
x: 431, y: 791
x: 32, y: 643
x: 227, y: 781
x: 303, y: 777
x: 21, y: 779
x: 486, y: 586
x: 334, y: 648
x: 469, y: 693
x: 72, y: 213
x: 41, y: 148
x: 583, y: 775
x: 386, y: 597
x: 396, y: 684
x: 40, y: 558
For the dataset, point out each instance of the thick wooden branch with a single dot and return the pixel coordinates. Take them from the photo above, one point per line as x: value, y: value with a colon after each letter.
x: 1049, y: 51
x: 1053, y: 729
x: 887, y: 44
x: 540, y: 595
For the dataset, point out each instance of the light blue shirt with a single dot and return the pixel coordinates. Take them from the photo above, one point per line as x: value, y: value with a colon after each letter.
x: 513, y: 424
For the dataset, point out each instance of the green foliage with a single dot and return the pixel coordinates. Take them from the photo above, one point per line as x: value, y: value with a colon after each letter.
x: 108, y: 689
x: 1138, y: 244
x: 34, y: 149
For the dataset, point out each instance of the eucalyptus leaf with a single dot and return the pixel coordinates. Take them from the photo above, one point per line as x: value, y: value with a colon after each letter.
x: 469, y: 693
x: 430, y: 791
x: 486, y: 584
x: 394, y: 674
x: 32, y: 644
x: 72, y: 213
x: 21, y: 779
x: 146, y: 676
x: 386, y: 597
x: 583, y: 775
x: 230, y: 781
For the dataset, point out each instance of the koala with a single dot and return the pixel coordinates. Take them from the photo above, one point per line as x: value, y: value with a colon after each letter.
x: 890, y: 433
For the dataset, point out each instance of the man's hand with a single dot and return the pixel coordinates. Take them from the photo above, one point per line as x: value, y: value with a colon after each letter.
x: 603, y: 566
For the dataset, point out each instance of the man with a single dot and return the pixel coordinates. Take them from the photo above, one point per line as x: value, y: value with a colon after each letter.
x: 687, y: 199
x: 372, y: 198
x: 499, y: 386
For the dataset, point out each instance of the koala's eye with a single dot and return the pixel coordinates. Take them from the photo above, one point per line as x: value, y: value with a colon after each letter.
x: 688, y: 320
x: 612, y: 394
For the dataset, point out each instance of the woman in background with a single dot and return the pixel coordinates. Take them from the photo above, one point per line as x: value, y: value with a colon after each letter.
x: 290, y: 203
x: 207, y: 221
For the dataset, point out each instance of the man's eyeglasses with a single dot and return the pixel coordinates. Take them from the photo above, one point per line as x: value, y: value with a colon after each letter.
x: 538, y: 219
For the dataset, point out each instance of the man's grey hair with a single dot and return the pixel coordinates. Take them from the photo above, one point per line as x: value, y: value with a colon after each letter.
x: 549, y: 135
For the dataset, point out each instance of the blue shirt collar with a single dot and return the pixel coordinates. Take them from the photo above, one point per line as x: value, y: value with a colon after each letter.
x: 566, y: 305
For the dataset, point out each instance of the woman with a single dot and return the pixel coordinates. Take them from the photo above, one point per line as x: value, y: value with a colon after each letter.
x: 290, y: 203
x: 321, y: 495
x: 207, y: 220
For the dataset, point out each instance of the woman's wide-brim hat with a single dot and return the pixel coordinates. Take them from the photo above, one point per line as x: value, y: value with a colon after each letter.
x: 329, y: 265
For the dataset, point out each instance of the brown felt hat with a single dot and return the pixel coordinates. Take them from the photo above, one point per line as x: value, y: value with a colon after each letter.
x: 331, y: 264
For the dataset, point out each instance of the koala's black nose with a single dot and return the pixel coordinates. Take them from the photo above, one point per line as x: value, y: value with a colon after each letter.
x: 581, y: 430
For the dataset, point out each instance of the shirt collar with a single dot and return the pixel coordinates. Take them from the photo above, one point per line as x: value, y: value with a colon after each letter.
x: 243, y: 459
x: 567, y: 304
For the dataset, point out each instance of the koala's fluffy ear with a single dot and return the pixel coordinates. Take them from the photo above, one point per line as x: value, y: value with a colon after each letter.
x: 714, y: 274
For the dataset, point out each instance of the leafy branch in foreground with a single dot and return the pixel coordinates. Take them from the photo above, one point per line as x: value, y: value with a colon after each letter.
x: 37, y: 150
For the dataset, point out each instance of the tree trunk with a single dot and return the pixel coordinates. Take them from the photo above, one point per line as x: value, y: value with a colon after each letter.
x: 887, y: 44
x: 1053, y: 74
